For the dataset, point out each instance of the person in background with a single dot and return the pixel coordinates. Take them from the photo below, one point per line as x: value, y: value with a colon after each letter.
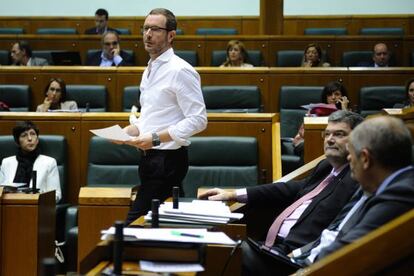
x: 380, y: 57
x: 409, y: 95
x: 55, y: 99
x: 111, y: 54
x: 236, y: 55
x: 312, y: 56
x: 21, y: 54
x: 101, y: 23
x: 18, y: 168
x: 333, y: 93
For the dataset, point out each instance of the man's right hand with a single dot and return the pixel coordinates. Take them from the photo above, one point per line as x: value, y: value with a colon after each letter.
x: 218, y: 194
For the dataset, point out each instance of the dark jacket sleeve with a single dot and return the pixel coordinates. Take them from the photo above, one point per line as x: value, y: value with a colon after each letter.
x: 393, y: 202
x: 127, y: 59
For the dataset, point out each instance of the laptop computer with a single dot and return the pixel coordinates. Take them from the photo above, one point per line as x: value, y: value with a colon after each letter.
x: 66, y: 58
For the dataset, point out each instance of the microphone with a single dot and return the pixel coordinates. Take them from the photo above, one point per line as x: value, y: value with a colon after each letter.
x: 34, y: 189
x: 155, y: 215
x: 118, y: 247
x: 176, y: 196
x: 87, y: 107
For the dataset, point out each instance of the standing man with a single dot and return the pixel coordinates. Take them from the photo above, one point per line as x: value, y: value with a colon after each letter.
x: 172, y: 110
x: 21, y: 54
x: 101, y: 23
x: 111, y: 54
x: 305, y: 207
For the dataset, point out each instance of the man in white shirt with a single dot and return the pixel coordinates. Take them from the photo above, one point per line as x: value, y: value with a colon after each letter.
x: 172, y: 110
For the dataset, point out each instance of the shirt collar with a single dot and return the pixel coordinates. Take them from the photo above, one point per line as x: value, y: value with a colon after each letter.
x: 164, y: 57
x: 103, y: 57
x: 390, y: 178
x: 339, y: 170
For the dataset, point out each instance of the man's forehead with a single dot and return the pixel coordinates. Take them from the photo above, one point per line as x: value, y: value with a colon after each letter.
x: 110, y: 37
x: 156, y: 19
x: 335, y: 126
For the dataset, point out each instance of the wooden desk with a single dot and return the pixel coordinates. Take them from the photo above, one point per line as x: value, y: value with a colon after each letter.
x: 99, y: 208
x: 27, y: 232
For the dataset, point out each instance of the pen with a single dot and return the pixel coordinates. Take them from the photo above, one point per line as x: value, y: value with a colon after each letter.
x: 177, y: 233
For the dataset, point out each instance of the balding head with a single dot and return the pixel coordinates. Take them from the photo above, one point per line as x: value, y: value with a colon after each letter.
x: 381, y: 55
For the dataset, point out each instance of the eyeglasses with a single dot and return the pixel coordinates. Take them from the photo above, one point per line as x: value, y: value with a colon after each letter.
x: 113, y: 43
x: 154, y: 29
x: 339, y: 134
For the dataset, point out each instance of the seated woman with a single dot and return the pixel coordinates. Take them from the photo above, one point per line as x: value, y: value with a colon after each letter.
x: 312, y: 56
x: 236, y: 55
x: 55, y: 99
x: 409, y: 95
x: 333, y: 93
x: 18, y: 168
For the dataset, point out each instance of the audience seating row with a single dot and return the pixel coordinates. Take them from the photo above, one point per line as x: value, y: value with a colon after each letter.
x: 362, y: 31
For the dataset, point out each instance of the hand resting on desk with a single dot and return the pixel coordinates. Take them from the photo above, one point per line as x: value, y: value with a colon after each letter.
x: 218, y: 194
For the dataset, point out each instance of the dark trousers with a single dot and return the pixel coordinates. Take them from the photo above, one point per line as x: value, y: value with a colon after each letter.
x: 159, y: 171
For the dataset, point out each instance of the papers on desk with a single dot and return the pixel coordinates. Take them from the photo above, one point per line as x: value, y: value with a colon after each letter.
x: 172, y: 235
x: 113, y: 133
x: 169, y: 267
x: 196, y: 212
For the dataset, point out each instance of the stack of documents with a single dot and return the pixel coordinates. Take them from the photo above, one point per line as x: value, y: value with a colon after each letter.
x: 180, y: 235
x: 201, y: 212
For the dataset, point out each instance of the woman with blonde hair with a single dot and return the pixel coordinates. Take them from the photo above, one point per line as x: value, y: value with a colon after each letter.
x: 236, y: 55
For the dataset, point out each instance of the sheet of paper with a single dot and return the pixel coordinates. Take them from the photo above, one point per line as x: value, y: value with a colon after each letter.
x: 169, y: 267
x: 169, y: 234
x: 113, y: 133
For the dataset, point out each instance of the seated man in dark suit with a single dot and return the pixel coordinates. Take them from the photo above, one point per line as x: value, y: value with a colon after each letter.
x: 380, y: 159
x: 309, y: 205
x: 380, y: 57
x: 101, y: 23
x: 21, y: 54
x: 111, y: 54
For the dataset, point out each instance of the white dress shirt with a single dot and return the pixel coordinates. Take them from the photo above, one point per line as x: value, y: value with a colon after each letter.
x: 171, y: 99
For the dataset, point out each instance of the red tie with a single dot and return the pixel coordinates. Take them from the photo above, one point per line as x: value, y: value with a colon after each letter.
x: 274, y: 229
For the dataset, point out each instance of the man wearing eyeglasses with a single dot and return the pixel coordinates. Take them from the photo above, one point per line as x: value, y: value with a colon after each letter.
x: 302, y: 209
x: 172, y: 110
x: 111, y: 54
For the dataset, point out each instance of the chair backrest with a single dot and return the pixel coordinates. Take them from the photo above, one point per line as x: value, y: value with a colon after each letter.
x: 188, y: 55
x: 210, y: 167
x: 355, y: 58
x: 381, y: 31
x: 326, y: 31
x: 254, y: 57
x: 4, y: 57
x: 179, y: 31
x: 51, y: 145
x: 16, y: 96
x: 290, y: 101
x: 111, y: 165
x: 11, y: 31
x: 294, y: 58
x: 88, y: 96
x: 216, y: 31
x: 123, y: 31
x: 59, y: 31
x: 46, y: 54
x: 131, y: 97
x: 232, y: 98
x: 374, y: 98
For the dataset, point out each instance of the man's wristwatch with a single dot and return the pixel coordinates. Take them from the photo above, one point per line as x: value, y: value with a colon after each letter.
x: 155, y: 139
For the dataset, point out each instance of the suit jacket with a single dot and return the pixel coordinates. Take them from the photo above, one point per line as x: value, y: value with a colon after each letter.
x: 93, y: 31
x: 47, y: 173
x: 317, y: 216
x: 36, y: 61
x: 394, y: 201
x: 95, y: 59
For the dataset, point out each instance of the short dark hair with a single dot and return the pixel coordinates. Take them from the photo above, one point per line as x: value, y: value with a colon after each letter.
x: 171, y: 24
x: 343, y: 116
x: 332, y: 87
x: 62, y: 85
x: 110, y: 32
x: 22, y: 127
x: 25, y: 46
x: 101, y: 12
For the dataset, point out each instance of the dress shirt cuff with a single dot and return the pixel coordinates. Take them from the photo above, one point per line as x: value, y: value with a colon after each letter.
x: 117, y: 60
x: 241, y: 195
x: 296, y: 253
x: 178, y: 140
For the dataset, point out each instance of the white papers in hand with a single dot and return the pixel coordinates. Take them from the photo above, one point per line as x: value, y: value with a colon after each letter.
x: 112, y: 133
x: 169, y: 267
x: 167, y: 234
